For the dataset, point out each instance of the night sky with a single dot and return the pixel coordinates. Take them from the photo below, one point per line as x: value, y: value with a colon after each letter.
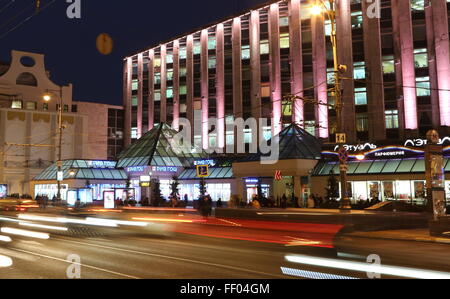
x: 69, y: 44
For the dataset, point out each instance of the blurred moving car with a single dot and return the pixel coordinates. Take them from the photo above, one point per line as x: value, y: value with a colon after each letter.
x: 13, y: 204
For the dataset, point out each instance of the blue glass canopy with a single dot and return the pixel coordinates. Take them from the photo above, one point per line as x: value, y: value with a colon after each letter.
x: 83, y: 170
x: 158, y: 147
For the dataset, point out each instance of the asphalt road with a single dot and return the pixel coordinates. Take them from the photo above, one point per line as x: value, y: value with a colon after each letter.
x: 202, y: 251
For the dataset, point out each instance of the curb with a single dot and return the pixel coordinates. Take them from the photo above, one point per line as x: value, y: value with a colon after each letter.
x: 419, y: 239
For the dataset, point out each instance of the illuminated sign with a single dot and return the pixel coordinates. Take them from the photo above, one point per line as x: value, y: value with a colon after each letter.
x: 252, y: 181
x: 60, y: 176
x: 101, y: 164
x: 135, y: 169
x: 357, y: 148
x: 210, y: 163
x: 202, y: 171
x: 164, y: 169
x: 145, y: 178
x: 423, y: 142
x: 145, y: 184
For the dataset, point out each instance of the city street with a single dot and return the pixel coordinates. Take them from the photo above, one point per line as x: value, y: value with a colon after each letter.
x: 207, y: 250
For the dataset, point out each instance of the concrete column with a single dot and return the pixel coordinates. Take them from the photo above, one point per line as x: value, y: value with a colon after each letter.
x: 298, y: 189
x: 320, y: 74
x: 398, y: 71
x: 441, y: 42
x: 241, y: 192
x: 140, y: 94
x: 190, y: 79
x: 2, y: 146
x: 255, y: 64
x: 151, y: 89
x: 127, y: 76
x: 237, y: 68
x: 204, y: 78
x: 176, y: 85
x: 275, y: 71
x: 345, y: 57
x: 374, y: 76
x: 163, y: 84
x: 220, y: 85
x: 405, y: 34
x: 432, y: 67
x: 295, y: 40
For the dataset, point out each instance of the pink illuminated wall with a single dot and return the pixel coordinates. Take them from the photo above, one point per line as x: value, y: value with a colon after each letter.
x: 274, y: 42
x: 176, y: 85
x: 220, y: 86
x: 440, y: 24
x: 408, y: 64
x: 204, y: 87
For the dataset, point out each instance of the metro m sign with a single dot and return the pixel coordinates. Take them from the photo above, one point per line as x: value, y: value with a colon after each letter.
x: 278, y: 176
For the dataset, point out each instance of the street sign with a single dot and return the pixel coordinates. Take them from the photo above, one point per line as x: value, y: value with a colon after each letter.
x: 202, y: 171
x: 341, y: 138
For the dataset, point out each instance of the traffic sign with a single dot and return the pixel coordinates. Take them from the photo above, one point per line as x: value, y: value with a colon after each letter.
x: 202, y: 171
x: 341, y: 138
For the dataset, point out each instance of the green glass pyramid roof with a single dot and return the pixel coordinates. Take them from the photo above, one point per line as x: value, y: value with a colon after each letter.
x: 159, y: 148
x: 294, y: 143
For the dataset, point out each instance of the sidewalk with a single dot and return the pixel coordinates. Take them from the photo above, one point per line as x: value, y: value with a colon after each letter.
x: 416, y: 235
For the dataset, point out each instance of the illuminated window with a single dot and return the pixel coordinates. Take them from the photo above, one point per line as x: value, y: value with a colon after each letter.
x: 212, y: 62
x: 134, y: 84
x: 418, y: 5
x: 211, y: 43
x: 169, y: 58
x: 169, y: 92
x: 16, y: 104
x: 392, y: 119
x: 287, y: 108
x: 134, y: 133
x: 328, y: 28
x: 265, y: 90
x: 248, y: 136
x: 183, y: 53
x: 264, y: 47
x: 45, y: 107
x: 330, y: 76
x: 157, y: 95
x: 420, y: 58
x: 157, y: 78
x: 423, y: 86
x: 197, y: 48
x: 267, y: 133
x: 359, y: 70
x: 310, y: 127
x: 183, y: 89
x: 134, y: 101
x: 245, y: 52
x: 157, y: 62
x: 360, y: 96
x: 357, y: 19
x: 284, y: 21
x: 183, y: 72
x: 284, y: 41
x: 388, y: 64
x: 169, y: 75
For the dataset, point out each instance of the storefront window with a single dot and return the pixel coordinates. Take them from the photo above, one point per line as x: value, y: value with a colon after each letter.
x: 419, y: 192
x: 403, y: 190
x: 388, y: 191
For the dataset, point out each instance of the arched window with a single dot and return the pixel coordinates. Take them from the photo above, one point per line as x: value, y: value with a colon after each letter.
x: 26, y: 79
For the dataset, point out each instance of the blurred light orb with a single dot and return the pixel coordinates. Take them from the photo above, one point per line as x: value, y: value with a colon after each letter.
x: 105, y: 44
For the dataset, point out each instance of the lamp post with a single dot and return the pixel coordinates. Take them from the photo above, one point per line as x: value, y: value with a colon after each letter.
x: 318, y: 9
x: 48, y: 97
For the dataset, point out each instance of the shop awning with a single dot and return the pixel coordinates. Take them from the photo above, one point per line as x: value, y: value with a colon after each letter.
x: 158, y: 147
x: 214, y: 173
x: 83, y: 170
x: 393, y: 166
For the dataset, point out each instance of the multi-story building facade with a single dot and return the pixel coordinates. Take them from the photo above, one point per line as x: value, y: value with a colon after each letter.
x: 29, y: 125
x: 105, y: 132
x: 397, y: 83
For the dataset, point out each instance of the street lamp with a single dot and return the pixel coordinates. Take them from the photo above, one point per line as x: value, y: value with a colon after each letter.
x: 319, y: 8
x: 48, y: 95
